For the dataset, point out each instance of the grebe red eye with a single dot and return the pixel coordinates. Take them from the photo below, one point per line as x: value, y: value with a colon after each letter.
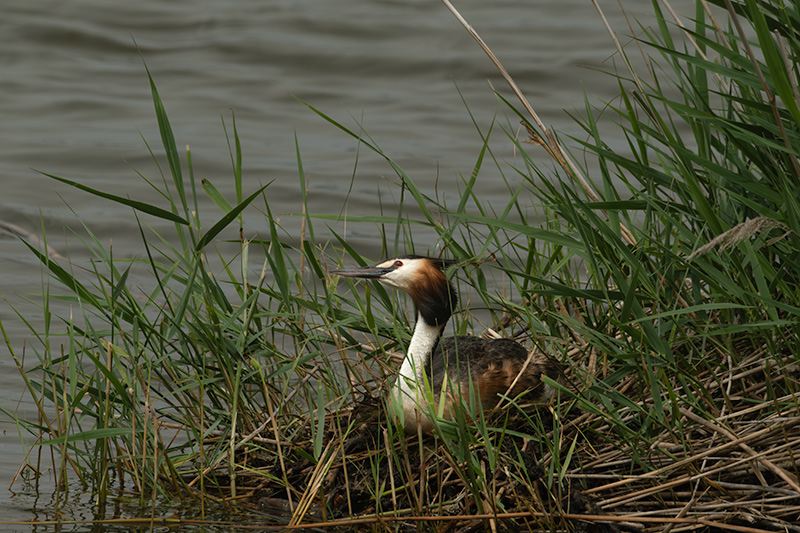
x: 398, y: 264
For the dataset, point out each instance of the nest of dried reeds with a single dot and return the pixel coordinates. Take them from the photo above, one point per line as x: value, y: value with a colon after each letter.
x: 722, y: 457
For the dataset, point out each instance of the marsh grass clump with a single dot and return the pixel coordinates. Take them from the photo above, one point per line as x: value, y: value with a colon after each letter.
x: 665, y: 288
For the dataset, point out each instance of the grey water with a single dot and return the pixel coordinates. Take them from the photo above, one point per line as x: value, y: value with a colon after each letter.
x: 75, y: 102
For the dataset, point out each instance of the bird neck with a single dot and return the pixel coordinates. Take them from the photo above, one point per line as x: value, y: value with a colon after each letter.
x: 434, y: 300
x: 406, y: 392
x: 423, y: 341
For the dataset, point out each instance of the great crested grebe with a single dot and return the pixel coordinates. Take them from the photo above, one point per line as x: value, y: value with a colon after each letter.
x: 463, y: 366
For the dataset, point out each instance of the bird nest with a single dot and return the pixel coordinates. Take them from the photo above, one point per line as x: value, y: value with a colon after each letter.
x: 726, y: 460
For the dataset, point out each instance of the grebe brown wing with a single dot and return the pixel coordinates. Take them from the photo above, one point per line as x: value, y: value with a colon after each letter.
x: 492, y: 366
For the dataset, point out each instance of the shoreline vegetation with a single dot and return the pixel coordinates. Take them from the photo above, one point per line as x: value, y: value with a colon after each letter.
x: 663, y: 281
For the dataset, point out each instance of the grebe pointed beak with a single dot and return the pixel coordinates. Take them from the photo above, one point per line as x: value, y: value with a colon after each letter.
x: 369, y: 272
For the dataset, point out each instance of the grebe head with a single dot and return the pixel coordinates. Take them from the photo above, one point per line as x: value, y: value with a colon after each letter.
x: 421, y: 277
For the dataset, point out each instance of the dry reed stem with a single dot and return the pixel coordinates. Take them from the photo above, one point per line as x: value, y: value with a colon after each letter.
x: 31, y: 238
x: 783, y: 474
x: 504, y: 516
x: 550, y: 143
x: 317, y: 478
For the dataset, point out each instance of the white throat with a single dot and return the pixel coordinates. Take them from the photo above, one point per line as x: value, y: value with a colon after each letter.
x: 411, y: 380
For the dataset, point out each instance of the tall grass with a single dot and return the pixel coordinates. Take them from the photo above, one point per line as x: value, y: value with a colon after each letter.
x: 666, y: 288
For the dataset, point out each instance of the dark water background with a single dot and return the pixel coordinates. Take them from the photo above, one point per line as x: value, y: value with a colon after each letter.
x: 75, y: 102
